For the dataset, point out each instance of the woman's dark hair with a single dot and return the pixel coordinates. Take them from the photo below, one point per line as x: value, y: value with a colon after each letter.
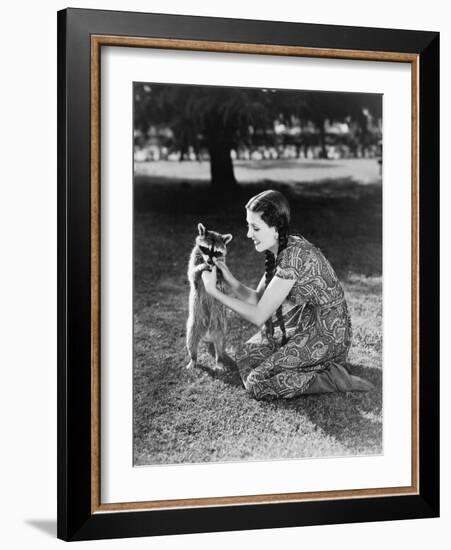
x: 274, y: 210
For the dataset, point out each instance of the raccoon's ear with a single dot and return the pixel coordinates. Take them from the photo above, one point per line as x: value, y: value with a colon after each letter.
x: 227, y: 238
x: 202, y: 229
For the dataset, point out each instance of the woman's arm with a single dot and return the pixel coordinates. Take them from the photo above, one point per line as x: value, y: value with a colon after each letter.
x: 259, y: 313
x: 244, y: 293
x: 249, y: 295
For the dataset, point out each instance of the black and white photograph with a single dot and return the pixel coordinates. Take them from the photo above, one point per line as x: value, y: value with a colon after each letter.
x: 226, y: 297
x: 257, y: 274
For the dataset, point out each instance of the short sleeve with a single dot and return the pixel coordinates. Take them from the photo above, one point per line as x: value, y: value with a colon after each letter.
x: 289, y: 264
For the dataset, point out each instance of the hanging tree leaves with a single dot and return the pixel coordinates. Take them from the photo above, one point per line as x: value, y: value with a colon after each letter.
x: 221, y: 119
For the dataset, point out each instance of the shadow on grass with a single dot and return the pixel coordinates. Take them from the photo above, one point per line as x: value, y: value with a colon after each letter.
x: 164, y: 194
x: 229, y: 374
x: 229, y: 377
x: 354, y: 419
x: 342, y: 217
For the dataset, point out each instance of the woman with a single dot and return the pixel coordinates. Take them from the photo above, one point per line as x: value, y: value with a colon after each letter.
x: 304, y: 343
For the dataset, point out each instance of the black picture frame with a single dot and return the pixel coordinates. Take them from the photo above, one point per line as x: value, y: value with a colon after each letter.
x: 78, y: 518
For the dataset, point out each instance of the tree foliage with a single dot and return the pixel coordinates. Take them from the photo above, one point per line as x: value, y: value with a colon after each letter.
x: 224, y: 118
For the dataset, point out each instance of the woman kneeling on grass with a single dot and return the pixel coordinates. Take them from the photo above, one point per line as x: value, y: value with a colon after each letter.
x: 303, y: 345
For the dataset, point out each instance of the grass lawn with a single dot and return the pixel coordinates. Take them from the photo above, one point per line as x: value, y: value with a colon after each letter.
x: 182, y: 416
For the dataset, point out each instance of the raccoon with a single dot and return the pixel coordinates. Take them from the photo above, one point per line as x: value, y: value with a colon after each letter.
x: 207, y: 317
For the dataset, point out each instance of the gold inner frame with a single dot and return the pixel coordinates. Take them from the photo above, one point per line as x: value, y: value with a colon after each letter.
x: 97, y: 41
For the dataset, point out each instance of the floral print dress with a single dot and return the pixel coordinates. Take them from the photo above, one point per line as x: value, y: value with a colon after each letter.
x: 318, y: 331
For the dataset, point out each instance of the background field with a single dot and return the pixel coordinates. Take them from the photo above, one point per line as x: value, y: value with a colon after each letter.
x: 183, y: 416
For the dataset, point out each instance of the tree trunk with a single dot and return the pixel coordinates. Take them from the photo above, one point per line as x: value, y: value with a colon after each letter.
x: 221, y: 165
x: 322, y: 139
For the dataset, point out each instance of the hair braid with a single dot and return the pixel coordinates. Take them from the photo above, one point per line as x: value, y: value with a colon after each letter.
x: 283, y: 242
x: 270, y: 264
x: 270, y: 267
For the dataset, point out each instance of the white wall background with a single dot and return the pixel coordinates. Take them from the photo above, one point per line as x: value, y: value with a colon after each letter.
x: 28, y: 272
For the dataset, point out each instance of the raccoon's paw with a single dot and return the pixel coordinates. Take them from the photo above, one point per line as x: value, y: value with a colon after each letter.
x: 202, y: 267
x: 191, y: 364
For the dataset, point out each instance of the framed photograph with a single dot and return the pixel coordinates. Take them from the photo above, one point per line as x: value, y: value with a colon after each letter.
x: 248, y: 274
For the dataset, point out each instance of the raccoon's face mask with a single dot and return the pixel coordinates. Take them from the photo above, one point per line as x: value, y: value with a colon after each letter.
x: 210, y: 252
x: 211, y: 244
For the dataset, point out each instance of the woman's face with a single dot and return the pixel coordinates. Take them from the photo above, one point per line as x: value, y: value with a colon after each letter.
x: 263, y: 236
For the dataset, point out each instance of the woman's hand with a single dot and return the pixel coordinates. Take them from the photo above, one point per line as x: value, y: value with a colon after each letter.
x: 209, y: 278
x: 227, y: 275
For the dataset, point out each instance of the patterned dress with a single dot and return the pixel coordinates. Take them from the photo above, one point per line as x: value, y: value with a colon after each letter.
x: 318, y: 330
